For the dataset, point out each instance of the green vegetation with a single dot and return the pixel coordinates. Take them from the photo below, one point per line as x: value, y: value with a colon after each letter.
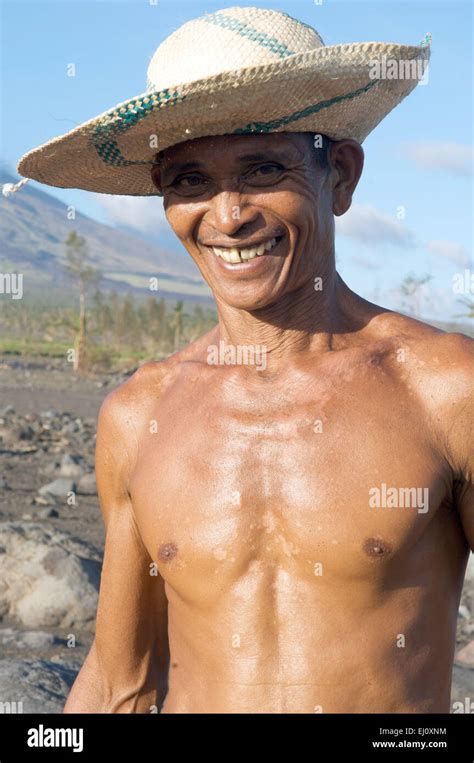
x: 102, y: 332
x: 122, y: 330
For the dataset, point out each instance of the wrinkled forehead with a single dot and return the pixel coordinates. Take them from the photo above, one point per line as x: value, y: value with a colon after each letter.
x: 235, y: 147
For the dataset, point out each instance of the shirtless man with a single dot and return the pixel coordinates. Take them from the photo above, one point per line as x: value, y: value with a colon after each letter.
x: 289, y: 535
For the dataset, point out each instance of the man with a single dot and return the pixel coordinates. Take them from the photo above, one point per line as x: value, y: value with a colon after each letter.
x: 288, y: 500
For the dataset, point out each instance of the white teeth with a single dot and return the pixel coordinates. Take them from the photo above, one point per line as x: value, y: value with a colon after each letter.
x: 235, y: 255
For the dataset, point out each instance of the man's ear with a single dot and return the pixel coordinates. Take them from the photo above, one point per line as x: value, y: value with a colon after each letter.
x: 347, y: 161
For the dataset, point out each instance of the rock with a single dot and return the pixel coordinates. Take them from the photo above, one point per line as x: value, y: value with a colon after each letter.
x: 58, y: 488
x: 43, y: 500
x: 3, y: 484
x: 48, y: 578
x: 27, y: 516
x: 26, y: 433
x: 470, y: 569
x: 464, y: 612
x: 465, y: 656
x: 53, y: 468
x: 47, y: 513
x: 41, y: 686
x: 8, y: 436
x: 87, y: 485
x: 70, y: 428
x: 71, y: 466
x: 51, y: 414
x: 6, y: 410
x: 27, y: 639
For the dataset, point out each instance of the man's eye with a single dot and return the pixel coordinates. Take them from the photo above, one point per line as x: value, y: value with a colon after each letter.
x: 187, y: 181
x: 267, y: 168
x: 265, y: 173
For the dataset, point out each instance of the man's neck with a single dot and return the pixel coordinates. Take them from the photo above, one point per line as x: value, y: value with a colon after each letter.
x: 301, y: 323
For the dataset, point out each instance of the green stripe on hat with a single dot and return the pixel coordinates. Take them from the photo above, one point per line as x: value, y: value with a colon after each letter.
x: 313, y: 109
x: 245, y: 30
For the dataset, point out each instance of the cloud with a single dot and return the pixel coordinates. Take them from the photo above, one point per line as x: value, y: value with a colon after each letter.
x: 368, y: 225
x: 454, y: 158
x: 365, y: 263
x: 142, y: 213
x: 451, y: 250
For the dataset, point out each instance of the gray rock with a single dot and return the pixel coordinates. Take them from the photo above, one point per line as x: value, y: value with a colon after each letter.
x: 71, y: 466
x: 58, y: 488
x: 47, y: 513
x: 70, y: 428
x: 27, y: 639
x: 470, y: 569
x: 6, y: 410
x: 43, y: 500
x: 51, y: 414
x: 87, y: 485
x: 35, y: 686
x: 26, y: 433
x: 48, y: 578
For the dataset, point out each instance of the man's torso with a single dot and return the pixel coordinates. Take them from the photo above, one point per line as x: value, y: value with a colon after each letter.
x: 306, y: 533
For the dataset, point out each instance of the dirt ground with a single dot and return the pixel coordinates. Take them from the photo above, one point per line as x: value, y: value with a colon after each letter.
x: 39, y: 390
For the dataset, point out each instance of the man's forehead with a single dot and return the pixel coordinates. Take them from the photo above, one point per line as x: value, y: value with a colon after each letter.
x: 234, y: 146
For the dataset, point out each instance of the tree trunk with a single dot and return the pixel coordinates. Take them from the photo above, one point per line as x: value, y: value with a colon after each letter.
x: 80, y: 356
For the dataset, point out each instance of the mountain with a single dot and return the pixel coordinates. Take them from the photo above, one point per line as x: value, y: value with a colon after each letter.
x: 34, y: 227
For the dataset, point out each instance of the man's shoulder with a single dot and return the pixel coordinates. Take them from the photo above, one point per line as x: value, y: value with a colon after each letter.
x: 436, y: 366
x: 144, y: 387
x: 424, y: 347
x: 436, y: 369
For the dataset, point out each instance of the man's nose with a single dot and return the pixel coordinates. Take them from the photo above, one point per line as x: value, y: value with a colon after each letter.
x: 228, y: 212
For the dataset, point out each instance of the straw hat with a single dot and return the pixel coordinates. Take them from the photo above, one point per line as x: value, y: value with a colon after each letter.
x: 236, y: 71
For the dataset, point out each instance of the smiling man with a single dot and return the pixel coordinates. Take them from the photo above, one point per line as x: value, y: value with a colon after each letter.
x: 288, y: 535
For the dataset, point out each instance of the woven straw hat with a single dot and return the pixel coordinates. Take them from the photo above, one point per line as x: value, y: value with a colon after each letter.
x: 236, y: 71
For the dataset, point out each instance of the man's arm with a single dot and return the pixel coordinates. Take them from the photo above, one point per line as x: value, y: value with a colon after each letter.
x: 127, y: 665
x: 460, y: 428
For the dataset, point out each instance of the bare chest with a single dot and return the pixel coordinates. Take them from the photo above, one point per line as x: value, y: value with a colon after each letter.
x: 326, y: 480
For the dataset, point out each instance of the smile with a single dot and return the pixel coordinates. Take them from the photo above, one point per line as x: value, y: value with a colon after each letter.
x: 235, y: 255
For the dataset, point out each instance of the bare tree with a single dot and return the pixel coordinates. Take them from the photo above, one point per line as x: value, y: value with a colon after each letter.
x: 78, y: 268
x: 468, y: 303
x: 178, y: 323
x: 412, y: 289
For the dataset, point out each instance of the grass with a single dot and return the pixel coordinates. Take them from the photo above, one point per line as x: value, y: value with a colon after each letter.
x: 22, y: 346
x: 57, y: 349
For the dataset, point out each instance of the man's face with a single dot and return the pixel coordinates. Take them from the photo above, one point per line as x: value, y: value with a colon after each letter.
x: 241, y: 191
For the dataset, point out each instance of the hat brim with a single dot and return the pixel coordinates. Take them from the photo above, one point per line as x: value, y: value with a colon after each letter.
x: 328, y: 90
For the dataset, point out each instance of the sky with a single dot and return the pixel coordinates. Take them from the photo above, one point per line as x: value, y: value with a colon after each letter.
x: 412, y: 210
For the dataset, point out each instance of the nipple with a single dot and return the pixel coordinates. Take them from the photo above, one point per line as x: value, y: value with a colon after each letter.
x: 376, y: 548
x: 167, y: 552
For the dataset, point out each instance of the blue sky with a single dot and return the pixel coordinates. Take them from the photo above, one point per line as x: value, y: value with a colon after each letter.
x: 418, y: 158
